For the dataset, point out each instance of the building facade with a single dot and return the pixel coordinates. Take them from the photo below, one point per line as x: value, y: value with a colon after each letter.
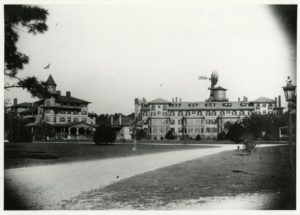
x: 190, y: 119
x: 66, y: 115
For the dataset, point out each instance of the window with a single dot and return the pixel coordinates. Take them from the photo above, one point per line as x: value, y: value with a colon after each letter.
x: 69, y: 119
x: 188, y: 113
x: 47, y: 111
x: 199, y: 113
x: 83, y: 112
x: 264, y: 105
x: 62, y: 119
x: 179, y: 122
x: 180, y: 113
x: 202, y: 130
x: 75, y: 119
x: 222, y: 113
x: 158, y: 106
x: 83, y: 120
x: 234, y: 113
x: 158, y: 112
x: 48, y: 119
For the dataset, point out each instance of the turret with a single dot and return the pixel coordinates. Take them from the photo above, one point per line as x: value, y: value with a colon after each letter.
x: 51, y: 84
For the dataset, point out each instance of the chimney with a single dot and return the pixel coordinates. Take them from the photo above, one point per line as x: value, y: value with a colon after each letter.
x: 120, y: 119
x: 58, y: 92
x: 275, y: 102
x: 172, y: 100
x: 239, y: 99
x: 244, y: 98
x: 111, y: 119
x: 68, y: 93
x: 279, y: 101
x: 15, y: 101
x: 180, y: 100
x: 176, y: 99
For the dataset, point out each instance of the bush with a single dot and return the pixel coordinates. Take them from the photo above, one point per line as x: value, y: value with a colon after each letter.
x: 235, y: 132
x: 198, y: 137
x: 170, y: 135
x: 249, y: 143
x: 141, y: 134
x: 42, y: 131
x: 104, y: 134
x: 222, y: 136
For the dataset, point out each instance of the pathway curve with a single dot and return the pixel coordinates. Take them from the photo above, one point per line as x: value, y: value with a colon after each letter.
x: 45, y: 187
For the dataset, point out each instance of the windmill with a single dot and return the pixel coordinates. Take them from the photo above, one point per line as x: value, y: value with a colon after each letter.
x: 213, y: 80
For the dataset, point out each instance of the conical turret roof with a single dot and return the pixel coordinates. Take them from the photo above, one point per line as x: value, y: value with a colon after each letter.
x: 50, y: 81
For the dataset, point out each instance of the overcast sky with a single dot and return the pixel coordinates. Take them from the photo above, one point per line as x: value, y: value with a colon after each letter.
x: 111, y: 53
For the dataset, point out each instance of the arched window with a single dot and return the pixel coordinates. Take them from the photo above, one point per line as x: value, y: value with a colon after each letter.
x: 62, y: 119
x: 75, y: 119
x: 83, y: 120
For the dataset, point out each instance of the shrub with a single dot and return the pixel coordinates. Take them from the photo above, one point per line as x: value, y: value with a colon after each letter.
x: 248, y: 143
x: 104, y: 134
x: 42, y: 131
x: 141, y: 134
x: 198, y: 137
x: 170, y: 135
x: 222, y: 136
x: 235, y: 132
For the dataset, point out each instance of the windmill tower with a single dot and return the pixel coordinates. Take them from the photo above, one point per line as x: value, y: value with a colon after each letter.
x: 216, y: 93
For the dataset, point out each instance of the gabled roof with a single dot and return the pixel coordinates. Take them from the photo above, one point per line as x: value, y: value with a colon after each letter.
x: 70, y: 99
x: 263, y: 100
x: 50, y: 81
x: 159, y: 101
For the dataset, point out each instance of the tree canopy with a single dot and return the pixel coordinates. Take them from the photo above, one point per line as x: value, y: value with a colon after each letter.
x: 16, y: 18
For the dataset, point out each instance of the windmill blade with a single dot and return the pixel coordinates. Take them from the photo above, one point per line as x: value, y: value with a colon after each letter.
x: 202, y: 77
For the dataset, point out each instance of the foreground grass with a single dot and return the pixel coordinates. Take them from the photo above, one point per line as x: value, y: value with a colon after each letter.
x: 33, y: 154
x: 224, y: 174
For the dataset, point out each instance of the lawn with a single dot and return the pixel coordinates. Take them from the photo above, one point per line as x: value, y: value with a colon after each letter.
x: 224, y: 174
x: 33, y: 154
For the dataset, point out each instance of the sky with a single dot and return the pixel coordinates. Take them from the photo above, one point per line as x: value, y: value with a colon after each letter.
x: 109, y: 54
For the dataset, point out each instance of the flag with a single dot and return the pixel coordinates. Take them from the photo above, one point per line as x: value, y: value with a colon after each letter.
x: 202, y: 77
x: 47, y: 67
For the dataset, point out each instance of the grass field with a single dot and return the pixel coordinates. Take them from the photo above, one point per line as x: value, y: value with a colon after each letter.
x: 33, y: 154
x: 223, y: 174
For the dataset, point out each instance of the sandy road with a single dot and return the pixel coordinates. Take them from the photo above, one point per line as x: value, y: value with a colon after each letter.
x: 45, y: 187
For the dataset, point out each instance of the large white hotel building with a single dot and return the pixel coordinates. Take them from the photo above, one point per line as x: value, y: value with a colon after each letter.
x: 207, y: 118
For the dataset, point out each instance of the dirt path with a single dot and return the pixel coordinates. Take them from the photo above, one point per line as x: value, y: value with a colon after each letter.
x: 45, y: 187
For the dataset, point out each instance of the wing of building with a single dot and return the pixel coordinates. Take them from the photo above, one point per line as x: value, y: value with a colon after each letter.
x: 204, y: 118
x: 68, y: 116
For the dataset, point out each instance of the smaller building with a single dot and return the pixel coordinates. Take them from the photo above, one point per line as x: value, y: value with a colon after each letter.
x: 265, y: 105
x: 123, y: 126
